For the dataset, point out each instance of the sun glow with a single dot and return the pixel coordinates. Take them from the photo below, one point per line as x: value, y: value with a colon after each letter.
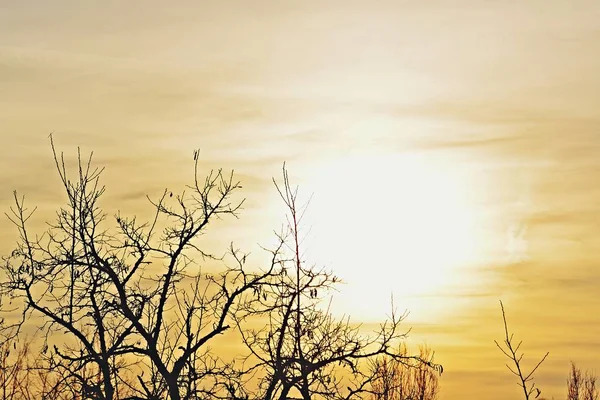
x: 391, y: 223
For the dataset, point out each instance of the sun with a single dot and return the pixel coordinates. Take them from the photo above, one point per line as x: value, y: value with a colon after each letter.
x: 400, y: 224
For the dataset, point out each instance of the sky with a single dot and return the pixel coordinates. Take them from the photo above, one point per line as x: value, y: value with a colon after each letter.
x: 451, y: 148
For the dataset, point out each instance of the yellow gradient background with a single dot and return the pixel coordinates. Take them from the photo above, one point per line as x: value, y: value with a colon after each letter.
x: 453, y: 148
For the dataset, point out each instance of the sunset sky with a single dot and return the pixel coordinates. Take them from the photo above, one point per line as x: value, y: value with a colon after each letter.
x: 452, y: 148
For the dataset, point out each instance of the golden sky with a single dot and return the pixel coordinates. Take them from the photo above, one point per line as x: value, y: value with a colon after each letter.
x: 452, y: 147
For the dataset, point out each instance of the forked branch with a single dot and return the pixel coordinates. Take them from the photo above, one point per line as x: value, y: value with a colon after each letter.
x: 511, y: 351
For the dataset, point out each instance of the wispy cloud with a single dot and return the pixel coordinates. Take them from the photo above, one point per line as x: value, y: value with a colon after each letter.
x: 499, y: 99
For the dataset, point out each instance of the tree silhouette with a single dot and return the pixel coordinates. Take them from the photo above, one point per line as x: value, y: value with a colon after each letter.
x: 405, y: 380
x: 127, y: 295
x: 302, y: 349
x: 581, y: 386
x: 125, y: 311
x: 511, y: 351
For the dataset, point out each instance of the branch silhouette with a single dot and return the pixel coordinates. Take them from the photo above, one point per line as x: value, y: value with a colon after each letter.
x: 302, y: 349
x: 511, y: 351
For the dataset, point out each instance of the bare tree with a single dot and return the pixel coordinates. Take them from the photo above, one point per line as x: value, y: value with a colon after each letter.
x: 413, y: 380
x: 574, y: 383
x: 581, y: 386
x: 302, y: 349
x: 426, y: 382
x: 116, y: 294
x: 13, y: 370
x: 22, y: 379
x: 511, y: 351
x: 125, y: 310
